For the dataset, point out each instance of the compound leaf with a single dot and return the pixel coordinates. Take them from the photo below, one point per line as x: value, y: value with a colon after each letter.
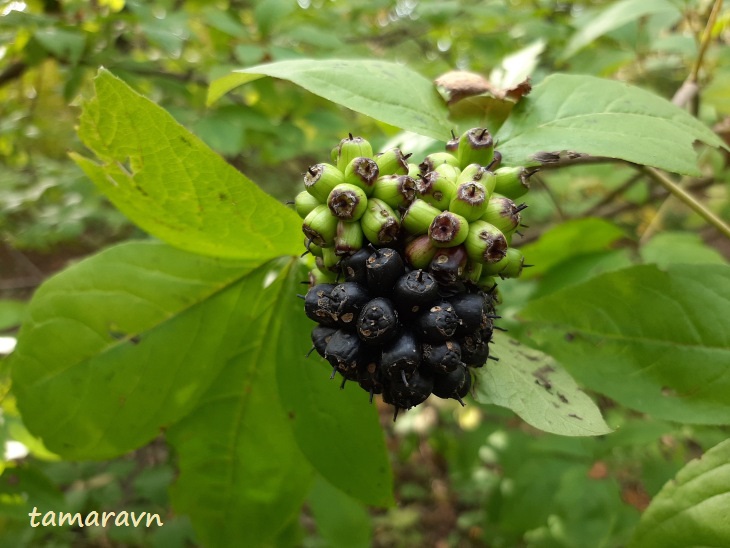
x: 172, y: 185
x: 589, y: 115
x: 538, y: 389
x: 388, y: 92
x: 654, y: 340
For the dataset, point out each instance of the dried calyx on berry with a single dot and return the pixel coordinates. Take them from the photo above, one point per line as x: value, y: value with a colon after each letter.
x: 404, y: 257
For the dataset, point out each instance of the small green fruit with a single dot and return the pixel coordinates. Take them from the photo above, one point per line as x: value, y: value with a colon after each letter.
x: 320, y: 226
x: 304, y: 203
x: 379, y: 223
x: 351, y: 148
x: 347, y: 202
x: 475, y: 147
x: 320, y: 179
x: 485, y: 243
x: 448, y: 229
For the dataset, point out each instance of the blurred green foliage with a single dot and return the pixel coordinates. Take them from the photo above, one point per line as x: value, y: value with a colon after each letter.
x: 466, y: 477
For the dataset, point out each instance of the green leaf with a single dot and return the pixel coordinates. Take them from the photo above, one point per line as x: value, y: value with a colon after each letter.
x: 567, y: 240
x: 538, y: 389
x: 172, y: 185
x: 67, y: 45
x: 341, y: 521
x: 122, y: 344
x: 654, y: 340
x: 590, y: 115
x: 388, y: 92
x: 242, y: 476
x: 692, y: 509
x: 581, y: 268
x: 614, y: 16
x: 332, y: 425
x: 679, y: 247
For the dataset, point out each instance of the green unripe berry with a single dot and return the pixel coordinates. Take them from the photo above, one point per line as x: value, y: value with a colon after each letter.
x: 379, y: 223
x: 347, y: 202
x: 320, y: 226
x: 313, y: 248
x: 448, y: 229
x: 475, y: 147
x: 398, y: 191
x: 349, y: 238
x: 512, y: 182
x: 414, y: 171
x: 304, y: 203
x: 502, y: 213
x: 473, y: 271
x: 392, y: 162
x: 515, y: 264
x: 420, y: 251
x: 330, y: 258
x: 419, y: 216
x: 351, y: 148
x: 470, y: 200
x: 435, y: 189
x: 362, y: 172
x: 317, y: 276
x: 485, y: 243
x: 320, y: 179
x: 432, y: 161
x: 479, y: 174
x: 450, y: 172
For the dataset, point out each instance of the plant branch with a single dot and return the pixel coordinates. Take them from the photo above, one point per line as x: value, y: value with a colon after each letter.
x: 549, y: 160
x: 12, y: 72
x: 689, y: 89
x: 686, y: 198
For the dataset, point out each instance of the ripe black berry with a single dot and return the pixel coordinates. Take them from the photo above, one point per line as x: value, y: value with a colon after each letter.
x: 347, y: 299
x: 401, y: 356
x: 321, y: 335
x: 411, y: 393
x: 384, y: 267
x: 470, y: 307
x: 378, y: 321
x: 353, y: 266
x: 415, y: 290
x: 438, y: 323
x: 318, y: 305
x: 451, y: 385
x: 441, y: 358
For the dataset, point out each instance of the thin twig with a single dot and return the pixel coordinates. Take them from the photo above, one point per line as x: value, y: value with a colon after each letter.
x: 687, y: 199
x: 689, y: 89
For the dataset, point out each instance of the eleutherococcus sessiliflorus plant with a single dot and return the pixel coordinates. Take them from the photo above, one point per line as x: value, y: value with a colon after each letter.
x: 407, y: 261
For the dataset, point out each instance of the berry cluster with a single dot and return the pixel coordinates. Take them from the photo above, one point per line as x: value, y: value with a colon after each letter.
x: 406, y: 257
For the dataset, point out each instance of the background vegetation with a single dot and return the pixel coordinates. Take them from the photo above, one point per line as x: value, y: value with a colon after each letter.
x: 476, y: 476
